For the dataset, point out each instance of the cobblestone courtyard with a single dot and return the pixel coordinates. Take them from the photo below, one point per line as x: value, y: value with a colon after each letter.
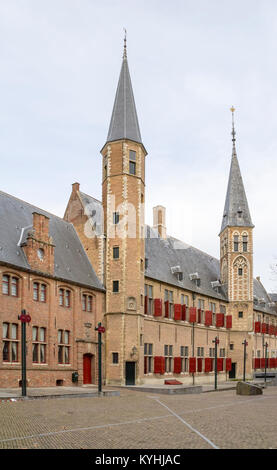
x: 136, y: 420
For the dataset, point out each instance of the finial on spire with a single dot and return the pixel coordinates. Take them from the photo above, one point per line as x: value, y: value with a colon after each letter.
x: 232, y: 109
x: 125, y: 45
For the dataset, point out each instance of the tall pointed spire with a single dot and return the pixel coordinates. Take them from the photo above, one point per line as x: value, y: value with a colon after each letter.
x: 236, y: 211
x: 124, y: 121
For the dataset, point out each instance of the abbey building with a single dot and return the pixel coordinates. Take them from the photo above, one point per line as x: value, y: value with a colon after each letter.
x: 162, y: 302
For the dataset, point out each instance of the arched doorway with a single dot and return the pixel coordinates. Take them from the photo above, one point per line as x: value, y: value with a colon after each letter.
x: 88, y: 369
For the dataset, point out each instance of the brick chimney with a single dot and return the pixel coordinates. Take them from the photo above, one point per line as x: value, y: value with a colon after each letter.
x: 38, y: 246
x: 159, y: 220
x: 75, y: 188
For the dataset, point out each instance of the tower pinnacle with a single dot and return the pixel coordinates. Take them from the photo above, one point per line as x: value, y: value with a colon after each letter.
x: 124, y: 121
x: 236, y: 211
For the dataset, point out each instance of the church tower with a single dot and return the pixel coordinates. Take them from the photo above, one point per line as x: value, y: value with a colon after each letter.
x: 123, y: 189
x: 236, y: 247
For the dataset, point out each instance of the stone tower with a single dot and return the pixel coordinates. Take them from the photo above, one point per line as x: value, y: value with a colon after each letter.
x: 236, y: 247
x: 123, y: 188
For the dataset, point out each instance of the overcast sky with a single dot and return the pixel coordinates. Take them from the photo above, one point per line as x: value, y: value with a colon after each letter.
x: 190, y: 61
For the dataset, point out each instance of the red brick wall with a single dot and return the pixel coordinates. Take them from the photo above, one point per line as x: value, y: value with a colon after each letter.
x: 49, y: 315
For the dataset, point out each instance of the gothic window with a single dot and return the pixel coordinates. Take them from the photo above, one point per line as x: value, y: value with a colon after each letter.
x: 245, y: 243
x: 241, y: 263
x: 236, y: 243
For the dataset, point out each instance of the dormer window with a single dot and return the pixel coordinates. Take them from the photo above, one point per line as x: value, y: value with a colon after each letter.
x: 195, y: 278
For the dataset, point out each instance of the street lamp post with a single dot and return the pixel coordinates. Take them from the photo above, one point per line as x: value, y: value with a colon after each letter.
x: 100, y: 330
x: 245, y: 344
x: 266, y: 346
x: 24, y: 318
x: 216, y: 342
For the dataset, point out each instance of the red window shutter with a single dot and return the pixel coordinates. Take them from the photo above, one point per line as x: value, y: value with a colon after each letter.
x: 262, y: 363
x: 166, y: 309
x: 257, y: 363
x: 199, y: 311
x: 184, y: 310
x: 145, y: 304
x: 271, y: 363
x: 229, y: 321
x: 220, y: 364
x: 157, y: 307
x: 192, y: 365
x: 192, y: 314
x: 159, y: 365
x: 177, y: 312
x: 177, y: 365
x: 199, y: 364
x: 219, y: 320
x: 257, y: 328
x: 208, y: 317
x: 263, y: 327
x: 228, y: 364
x: 208, y: 364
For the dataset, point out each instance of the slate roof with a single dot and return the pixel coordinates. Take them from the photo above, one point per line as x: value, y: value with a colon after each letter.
x: 162, y: 255
x: 273, y: 297
x: 124, y: 121
x: 261, y: 293
x: 94, y: 210
x: 71, y: 261
x: 236, y: 211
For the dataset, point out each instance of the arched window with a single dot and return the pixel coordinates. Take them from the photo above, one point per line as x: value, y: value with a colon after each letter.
x: 10, y: 285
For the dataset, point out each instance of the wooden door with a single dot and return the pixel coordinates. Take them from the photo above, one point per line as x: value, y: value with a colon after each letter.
x: 87, y: 369
x: 130, y: 373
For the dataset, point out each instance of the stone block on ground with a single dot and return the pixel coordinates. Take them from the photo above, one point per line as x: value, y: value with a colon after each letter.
x: 246, y: 388
x: 172, y: 382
